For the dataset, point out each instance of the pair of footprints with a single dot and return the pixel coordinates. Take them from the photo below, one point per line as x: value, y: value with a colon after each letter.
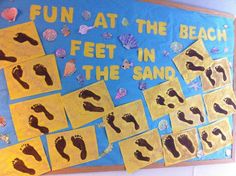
x: 33, y: 121
x: 218, y: 69
x: 142, y: 143
x: 21, y: 38
x: 195, y: 111
x: 88, y: 106
x: 183, y: 139
x: 191, y: 66
x: 216, y: 132
x: 128, y: 118
x: 19, y: 164
x: 77, y: 141
x: 217, y: 108
x: 171, y: 93
x: 40, y: 70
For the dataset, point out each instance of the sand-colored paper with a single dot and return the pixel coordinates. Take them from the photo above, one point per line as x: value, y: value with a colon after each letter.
x: 216, y: 136
x: 24, y: 159
x: 180, y: 147
x: 125, y: 121
x: 19, y: 43
x: 73, y: 147
x: 220, y: 103
x: 192, y: 62
x: 217, y: 75
x: 164, y: 98
x: 88, y: 104
x: 36, y: 76
x: 141, y: 150
x: 38, y: 116
x: 190, y: 115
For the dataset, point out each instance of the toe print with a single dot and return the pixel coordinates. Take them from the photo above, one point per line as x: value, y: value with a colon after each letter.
x: 60, y: 144
x: 195, y: 110
x: 219, y: 109
x: 140, y: 156
x: 204, y: 138
x: 192, y: 67
x: 30, y: 150
x: 143, y: 143
x: 79, y: 143
x: 89, y: 94
x: 230, y: 102
x: 39, y: 108
x: 170, y: 145
x: 92, y: 108
x: 186, y: 142
x: 209, y: 76
x: 21, y: 38
x: 3, y: 57
x: 19, y: 165
x: 181, y: 117
x: 217, y: 132
x: 221, y: 70
x: 41, y: 70
x: 110, y: 120
x: 172, y: 93
x: 33, y: 122
x: 193, y: 53
x: 129, y: 118
x: 17, y: 74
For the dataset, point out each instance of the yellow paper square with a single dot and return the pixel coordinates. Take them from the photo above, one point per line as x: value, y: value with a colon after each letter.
x: 74, y: 104
x: 147, y: 145
x: 76, y: 147
x: 28, y: 153
x: 125, y: 121
x: 217, y: 75
x: 166, y: 102
x: 15, y: 51
x: 37, y: 84
x: 50, y: 118
x: 182, y: 151
x: 220, y: 103
x: 216, y: 136
x: 196, y: 57
x: 190, y: 115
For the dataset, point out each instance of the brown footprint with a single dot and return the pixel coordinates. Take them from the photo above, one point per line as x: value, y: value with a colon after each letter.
x: 129, y: 118
x: 196, y: 110
x: 92, y: 108
x: 161, y: 101
x: 39, y: 108
x: 209, y: 76
x: 185, y: 141
x: 33, y: 122
x: 221, y: 70
x: 41, y: 70
x: 172, y: 93
x: 230, y: 102
x: 181, y: 117
x: 143, y: 143
x: 21, y: 38
x: 3, y: 57
x: 191, y: 53
x: 60, y: 144
x: 170, y: 145
x: 140, y: 156
x: 19, y: 165
x: 192, y: 67
x: 217, y: 132
x: 79, y: 143
x: 27, y: 149
x: 89, y: 94
x: 110, y: 120
x: 218, y: 109
x: 17, y: 74
x: 204, y: 137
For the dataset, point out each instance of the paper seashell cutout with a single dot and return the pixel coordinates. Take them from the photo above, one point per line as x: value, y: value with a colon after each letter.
x: 9, y: 14
x: 70, y: 68
x: 128, y: 41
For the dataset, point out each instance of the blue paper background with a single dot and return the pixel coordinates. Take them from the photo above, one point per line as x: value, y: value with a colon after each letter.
x: 131, y: 10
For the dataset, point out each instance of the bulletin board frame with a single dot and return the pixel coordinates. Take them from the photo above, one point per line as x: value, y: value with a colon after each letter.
x: 161, y: 165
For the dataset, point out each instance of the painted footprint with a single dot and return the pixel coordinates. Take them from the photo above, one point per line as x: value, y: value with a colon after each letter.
x: 192, y: 67
x: 218, y: 109
x: 161, y: 101
x: 110, y: 120
x: 41, y: 70
x: 193, y: 53
x: 172, y: 93
x: 89, y: 94
x: 204, y: 137
x: 230, y: 102
x: 92, y: 108
x: 17, y: 74
x: 27, y: 149
x: 21, y: 38
x: 209, y: 76
x: 129, y: 118
x: 170, y: 145
x: 3, y: 57
x: 33, y: 122
x: 186, y: 142
x: 195, y: 110
x: 79, y: 143
x: 221, y: 70
x: 143, y: 143
x: 217, y: 132
x: 20, y: 166
x: 140, y: 156
x: 60, y: 144
x: 181, y: 117
x: 39, y: 108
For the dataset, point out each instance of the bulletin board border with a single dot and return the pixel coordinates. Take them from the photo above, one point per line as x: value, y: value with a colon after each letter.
x: 161, y: 165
